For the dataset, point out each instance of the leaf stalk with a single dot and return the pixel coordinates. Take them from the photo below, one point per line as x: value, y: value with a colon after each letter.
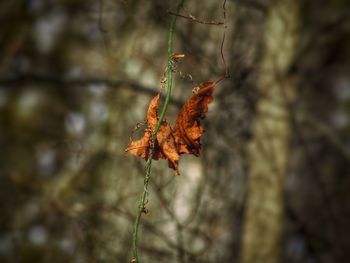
x: 143, y: 197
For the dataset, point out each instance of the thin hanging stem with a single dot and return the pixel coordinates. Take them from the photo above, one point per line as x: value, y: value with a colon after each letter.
x: 141, y: 208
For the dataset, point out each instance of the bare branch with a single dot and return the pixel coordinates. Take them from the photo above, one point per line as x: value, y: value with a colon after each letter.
x: 14, y: 81
x: 194, y: 19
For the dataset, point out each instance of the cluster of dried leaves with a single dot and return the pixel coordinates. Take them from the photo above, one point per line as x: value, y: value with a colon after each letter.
x: 184, y: 138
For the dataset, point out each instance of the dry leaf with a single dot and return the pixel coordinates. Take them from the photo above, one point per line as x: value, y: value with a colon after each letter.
x: 187, y: 130
x: 167, y: 146
x: 185, y: 138
x: 140, y: 147
x: 164, y: 146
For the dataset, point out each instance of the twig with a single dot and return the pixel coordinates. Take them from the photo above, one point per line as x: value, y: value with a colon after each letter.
x: 227, y: 73
x: 194, y: 19
x: 141, y: 209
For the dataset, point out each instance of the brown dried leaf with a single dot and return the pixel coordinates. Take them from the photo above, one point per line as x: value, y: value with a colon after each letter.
x: 167, y: 146
x: 164, y: 146
x: 140, y: 147
x: 185, y: 138
x: 187, y: 130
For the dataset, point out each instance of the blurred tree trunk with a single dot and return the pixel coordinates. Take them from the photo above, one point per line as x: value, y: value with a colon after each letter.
x: 269, y: 149
x: 224, y: 153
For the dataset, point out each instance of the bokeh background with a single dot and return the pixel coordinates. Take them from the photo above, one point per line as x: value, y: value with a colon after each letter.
x: 272, y: 183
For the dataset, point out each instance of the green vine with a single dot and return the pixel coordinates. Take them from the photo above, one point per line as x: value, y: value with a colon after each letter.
x: 141, y: 208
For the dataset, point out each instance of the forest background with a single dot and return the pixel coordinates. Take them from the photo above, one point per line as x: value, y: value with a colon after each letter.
x: 272, y: 182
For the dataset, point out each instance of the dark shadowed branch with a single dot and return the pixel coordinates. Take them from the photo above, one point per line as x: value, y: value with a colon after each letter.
x: 18, y: 81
